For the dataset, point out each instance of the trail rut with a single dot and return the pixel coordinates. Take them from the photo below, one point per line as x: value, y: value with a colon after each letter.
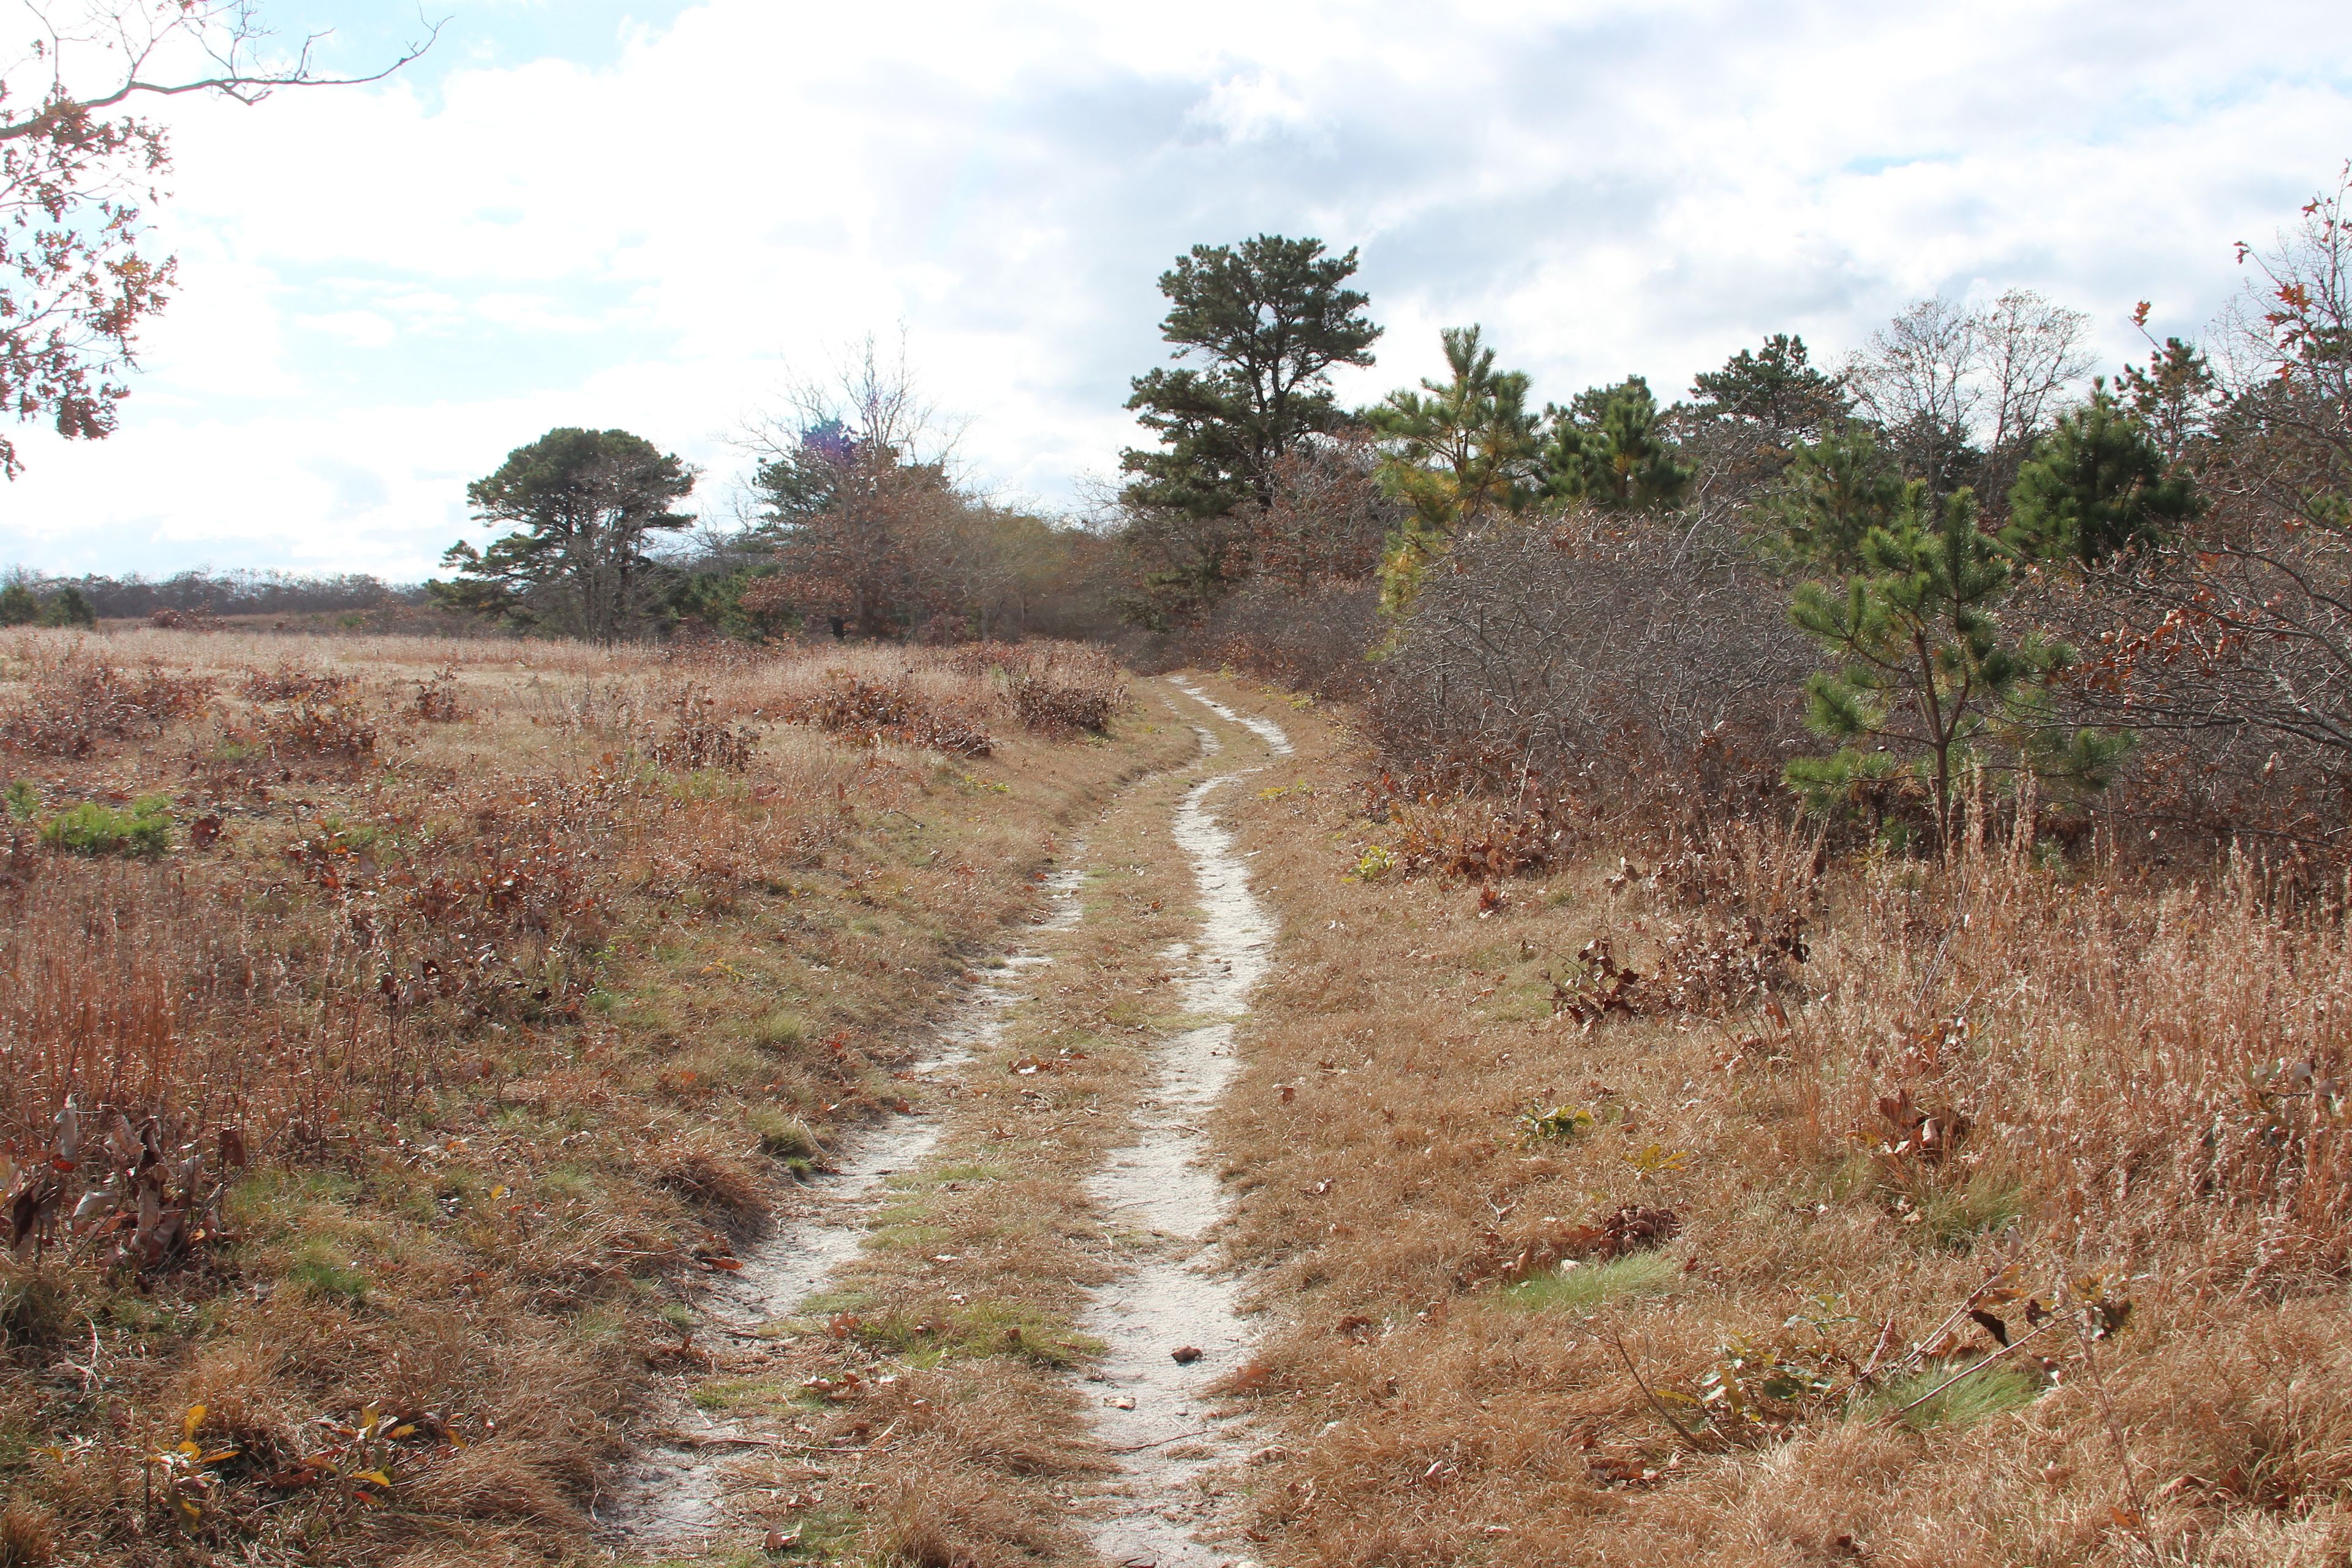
x: 671, y: 1499
x: 1163, y: 1200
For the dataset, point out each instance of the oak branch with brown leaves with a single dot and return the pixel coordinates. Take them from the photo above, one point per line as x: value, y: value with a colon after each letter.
x: 76, y: 172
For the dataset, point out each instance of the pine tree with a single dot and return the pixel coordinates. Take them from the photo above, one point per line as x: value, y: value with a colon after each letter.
x: 1458, y: 452
x: 588, y: 502
x: 1606, y: 449
x: 68, y: 609
x: 1925, y: 666
x: 1268, y: 318
x: 1775, y: 391
x: 2095, y: 485
x: 2176, y: 398
x: 1834, y: 492
x: 18, y: 607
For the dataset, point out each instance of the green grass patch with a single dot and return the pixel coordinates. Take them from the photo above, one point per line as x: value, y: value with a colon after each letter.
x: 784, y: 1137
x: 898, y: 1237
x: 1992, y: 1392
x: 971, y: 1171
x: 90, y: 828
x: 780, y: 1030
x: 978, y: 1330
x: 1985, y: 1204
x: 317, y: 1270
x: 720, y: 1395
x: 1590, y: 1285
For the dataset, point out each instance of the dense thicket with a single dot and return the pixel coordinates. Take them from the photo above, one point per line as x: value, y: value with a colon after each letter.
x: 1956, y: 565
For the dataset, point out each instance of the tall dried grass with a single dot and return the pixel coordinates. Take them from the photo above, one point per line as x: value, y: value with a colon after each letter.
x: 2122, y: 1089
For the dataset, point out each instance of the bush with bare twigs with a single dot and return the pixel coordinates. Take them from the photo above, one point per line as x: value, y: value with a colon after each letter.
x: 699, y: 738
x: 79, y: 699
x: 887, y: 710
x: 1063, y: 692
x: 1648, y: 665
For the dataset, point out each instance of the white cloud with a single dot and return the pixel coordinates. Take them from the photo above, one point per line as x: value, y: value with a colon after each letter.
x: 386, y: 289
x: 361, y: 329
x: 1251, y: 107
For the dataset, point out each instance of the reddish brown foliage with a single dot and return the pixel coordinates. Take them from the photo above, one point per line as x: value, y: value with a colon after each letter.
x: 891, y: 710
x: 84, y: 699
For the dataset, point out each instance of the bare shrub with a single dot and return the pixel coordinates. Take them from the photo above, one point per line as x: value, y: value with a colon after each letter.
x: 293, y: 682
x: 2231, y: 662
x: 887, y: 710
x: 699, y: 738
x: 317, y: 728
x: 1444, y: 825
x: 438, y: 700
x: 1651, y: 665
x: 1066, y: 692
x: 1318, y: 638
x: 82, y: 698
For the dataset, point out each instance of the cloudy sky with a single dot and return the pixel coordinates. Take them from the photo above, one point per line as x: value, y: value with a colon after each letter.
x: 651, y: 214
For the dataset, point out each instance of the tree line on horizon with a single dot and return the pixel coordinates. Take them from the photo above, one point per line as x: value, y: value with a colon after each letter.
x: 1958, y: 556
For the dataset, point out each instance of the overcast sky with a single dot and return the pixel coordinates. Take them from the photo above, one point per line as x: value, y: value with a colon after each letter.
x: 577, y: 211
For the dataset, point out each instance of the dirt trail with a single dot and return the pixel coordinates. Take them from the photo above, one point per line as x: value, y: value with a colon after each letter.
x: 1159, y: 1199
x: 671, y: 1500
x: 1164, y: 1203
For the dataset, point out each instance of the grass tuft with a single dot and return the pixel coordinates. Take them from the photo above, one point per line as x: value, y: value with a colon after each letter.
x: 1992, y: 1392
x: 1582, y: 1287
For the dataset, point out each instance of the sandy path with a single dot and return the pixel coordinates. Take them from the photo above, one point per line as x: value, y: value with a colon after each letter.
x: 1163, y: 1203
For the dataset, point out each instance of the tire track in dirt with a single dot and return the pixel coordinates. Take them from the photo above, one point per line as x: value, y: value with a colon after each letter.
x: 671, y: 1499
x: 1163, y: 1204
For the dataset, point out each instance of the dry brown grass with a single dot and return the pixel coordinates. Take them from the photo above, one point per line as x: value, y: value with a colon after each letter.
x: 2145, y: 1083
x: 482, y: 1027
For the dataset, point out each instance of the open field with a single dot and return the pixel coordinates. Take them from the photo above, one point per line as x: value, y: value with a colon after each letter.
x: 1718, y: 1201
x: 430, y: 1012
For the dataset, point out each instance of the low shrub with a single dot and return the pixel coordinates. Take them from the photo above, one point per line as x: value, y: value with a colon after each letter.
x: 323, y: 728
x: 1065, y: 694
x: 875, y: 710
x: 438, y: 699
x: 91, y: 828
x: 698, y: 739
x: 292, y: 682
x: 85, y: 699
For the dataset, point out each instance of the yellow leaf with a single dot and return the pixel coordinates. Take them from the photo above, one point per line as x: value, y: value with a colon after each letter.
x: 195, y: 1418
x: 497, y: 1192
x: 405, y: 1429
x: 189, y: 1449
x: 217, y: 1454
x: 377, y: 1476
x: 367, y: 1422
